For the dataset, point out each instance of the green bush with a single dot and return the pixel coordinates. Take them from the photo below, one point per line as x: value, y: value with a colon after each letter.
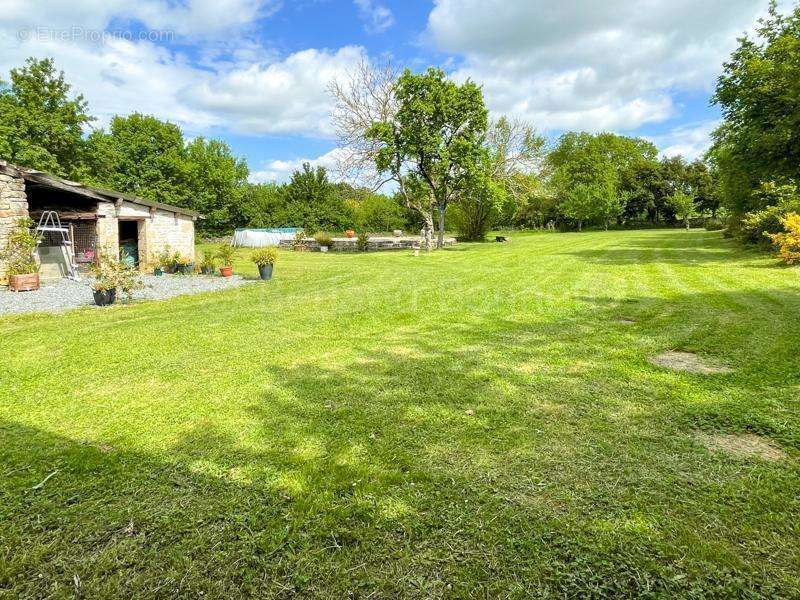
x: 376, y: 212
x: 714, y: 224
x: 755, y: 226
x: 265, y: 256
x: 323, y: 238
x: 19, y: 250
x: 758, y: 226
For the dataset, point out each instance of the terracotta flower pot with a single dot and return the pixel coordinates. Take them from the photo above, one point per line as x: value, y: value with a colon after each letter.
x: 226, y: 271
x: 350, y: 233
x: 23, y: 283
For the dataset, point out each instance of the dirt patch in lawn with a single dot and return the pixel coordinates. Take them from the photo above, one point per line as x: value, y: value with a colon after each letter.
x: 745, y: 445
x: 690, y: 363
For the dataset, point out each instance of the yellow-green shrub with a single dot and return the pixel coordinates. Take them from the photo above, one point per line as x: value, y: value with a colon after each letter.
x: 789, y: 242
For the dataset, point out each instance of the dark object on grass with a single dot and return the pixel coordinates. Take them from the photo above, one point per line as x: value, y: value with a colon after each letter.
x: 265, y: 271
x: 105, y: 297
x: 501, y: 238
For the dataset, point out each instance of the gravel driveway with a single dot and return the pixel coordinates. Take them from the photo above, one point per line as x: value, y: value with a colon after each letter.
x: 65, y: 294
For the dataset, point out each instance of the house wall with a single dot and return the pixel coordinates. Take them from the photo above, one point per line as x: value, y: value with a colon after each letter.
x: 159, y: 229
x: 13, y: 205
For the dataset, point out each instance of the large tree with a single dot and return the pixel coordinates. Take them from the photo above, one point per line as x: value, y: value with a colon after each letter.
x: 600, y: 169
x: 433, y: 145
x: 141, y: 155
x: 41, y: 124
x: 311, y: 201
x: 758, y: 92
x: 515, y: 152
x: 216, y: 180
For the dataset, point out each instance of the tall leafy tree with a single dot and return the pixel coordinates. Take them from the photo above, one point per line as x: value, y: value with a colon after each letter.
x: 684, y: 207
x: 758, y: 92
x: 312, y: 201
x: 433, y: 145
x: 141, y: 155
x: 41, y: 124
x: 216, y: 180
x: 145, y: 156
x: 596, y: 167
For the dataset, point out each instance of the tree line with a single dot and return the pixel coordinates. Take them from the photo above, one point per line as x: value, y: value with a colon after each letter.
x: 419, y: 151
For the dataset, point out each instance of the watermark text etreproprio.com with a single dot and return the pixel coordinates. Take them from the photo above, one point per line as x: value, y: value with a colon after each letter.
x: 81, y: 34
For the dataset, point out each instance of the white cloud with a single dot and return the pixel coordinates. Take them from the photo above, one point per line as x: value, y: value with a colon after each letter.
x: 691, y: 141
x: 587, y: 64
x: 288, y: 96
x: 186, y: 18
x: 377, y: 17
x: 231, y: 82
x: 281, y: 170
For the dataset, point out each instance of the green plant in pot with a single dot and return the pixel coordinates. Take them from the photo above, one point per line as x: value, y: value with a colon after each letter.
x: 324, y: 240
x: 226, y: 255
x: 22, y: 268
x: 184, y: 265
x: 166, y: 261
x: 362, y: 241
x: 299, y: 242
x: 208, y: 264
x: 113, y: 275
x: 265, y: 260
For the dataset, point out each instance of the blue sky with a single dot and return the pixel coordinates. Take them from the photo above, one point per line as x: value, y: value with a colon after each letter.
x: 255, y: 72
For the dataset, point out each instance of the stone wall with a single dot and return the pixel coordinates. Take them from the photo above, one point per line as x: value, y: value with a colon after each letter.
x: 159, y: 229
x: 373, y: 244
x: 13, y: 205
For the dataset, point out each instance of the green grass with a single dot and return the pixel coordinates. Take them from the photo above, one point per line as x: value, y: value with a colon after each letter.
x: 309, y: 435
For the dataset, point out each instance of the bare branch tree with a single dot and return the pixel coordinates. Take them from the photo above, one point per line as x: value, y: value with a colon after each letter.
x: 515, y: 147
x: 362, y: 98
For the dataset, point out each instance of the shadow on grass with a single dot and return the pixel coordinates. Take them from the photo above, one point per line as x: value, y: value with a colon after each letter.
x: 368, y: 475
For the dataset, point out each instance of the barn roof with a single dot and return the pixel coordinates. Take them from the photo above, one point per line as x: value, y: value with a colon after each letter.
x: 102, y: 195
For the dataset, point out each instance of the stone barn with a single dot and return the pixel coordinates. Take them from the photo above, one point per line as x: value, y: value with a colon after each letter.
x: 93, y: 219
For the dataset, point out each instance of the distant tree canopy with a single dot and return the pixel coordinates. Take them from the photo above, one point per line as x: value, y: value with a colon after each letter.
x: 150, y: 158
x: 429, y: 135
x: 758, y: 92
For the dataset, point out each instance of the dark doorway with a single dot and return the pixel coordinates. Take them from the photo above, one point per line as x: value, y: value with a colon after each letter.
x: 129, y: 242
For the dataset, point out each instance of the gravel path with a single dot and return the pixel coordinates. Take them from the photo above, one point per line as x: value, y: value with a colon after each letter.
x: 65, y: 294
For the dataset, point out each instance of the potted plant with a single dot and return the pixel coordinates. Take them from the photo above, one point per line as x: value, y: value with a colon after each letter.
x: 362, y: 242
x: 265, y: 259
x: 104, y: 291
x: 208, y: 265
x: 183, y: 264
x: 113, y: 275
x: 350, y: 233
x: 324, y: 240
x: 299, y: 243
x: 22, y: 268
x: 226, y: 254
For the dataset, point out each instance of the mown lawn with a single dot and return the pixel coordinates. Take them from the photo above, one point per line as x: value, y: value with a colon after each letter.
x: 311, y: 435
